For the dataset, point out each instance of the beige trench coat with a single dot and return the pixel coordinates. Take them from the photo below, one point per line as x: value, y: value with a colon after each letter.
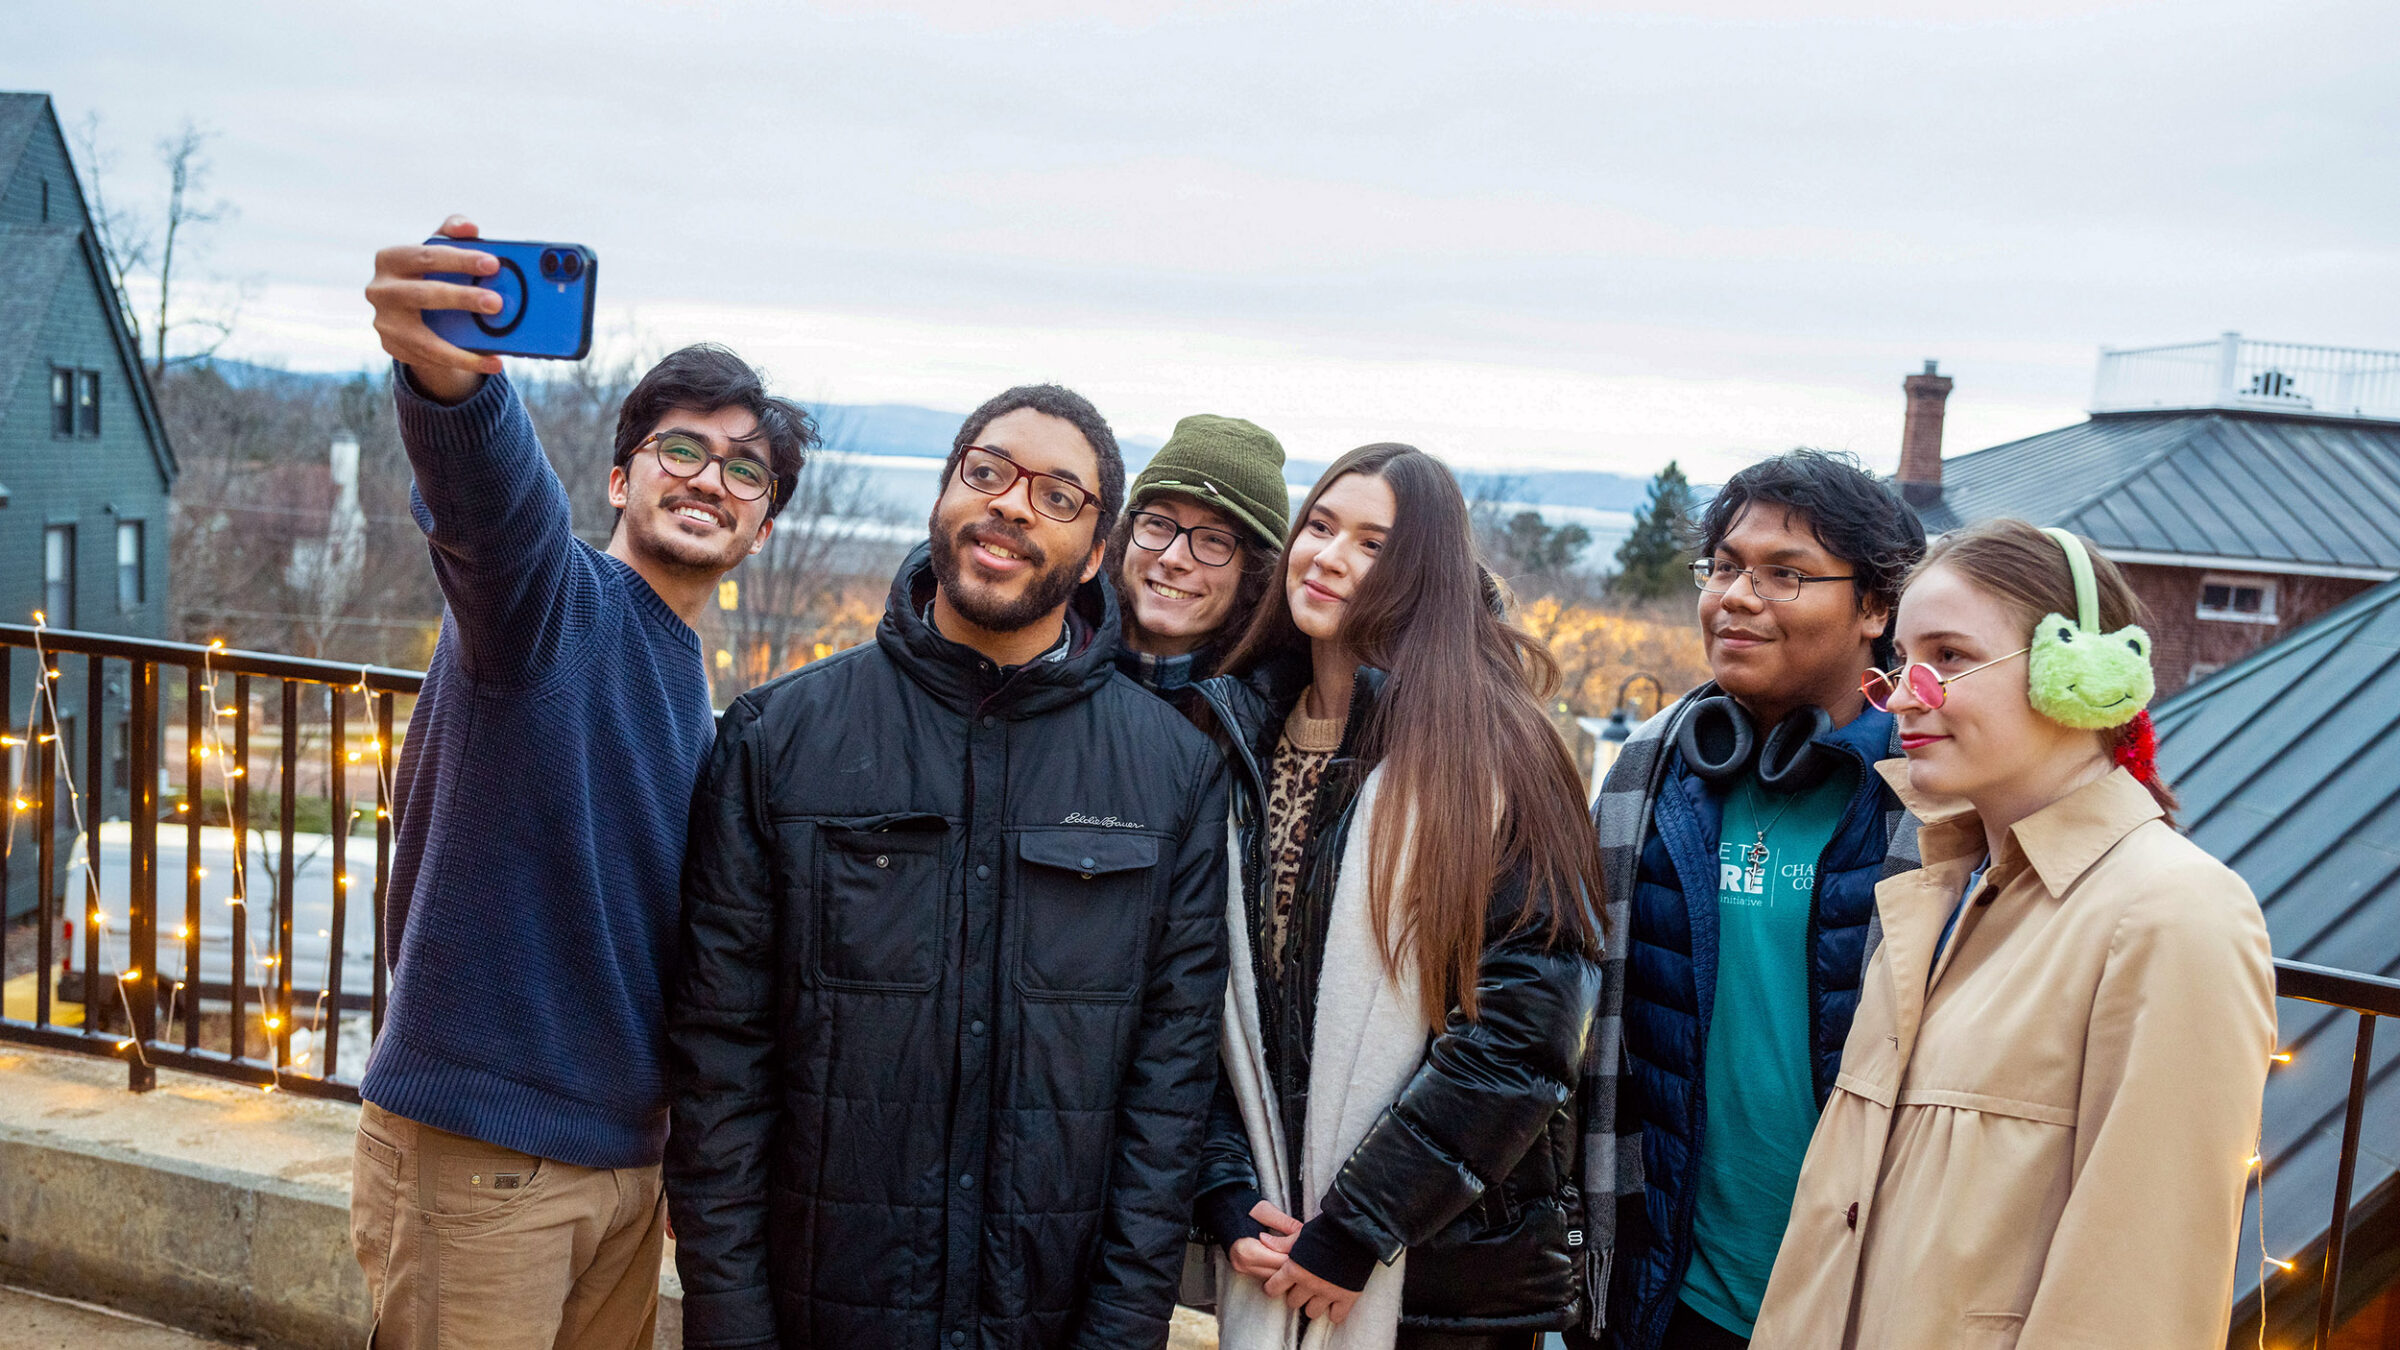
x: 2049, y: 1146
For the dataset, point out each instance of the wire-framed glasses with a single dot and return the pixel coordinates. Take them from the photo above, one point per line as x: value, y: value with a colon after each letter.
x: 1926, y: 685
x: 1771, y: 582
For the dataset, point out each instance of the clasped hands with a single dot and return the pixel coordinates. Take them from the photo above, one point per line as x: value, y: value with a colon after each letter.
x: 1268, y: 1257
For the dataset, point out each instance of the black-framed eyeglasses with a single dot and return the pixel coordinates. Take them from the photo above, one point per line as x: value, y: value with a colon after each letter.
x: 1209, y: 545
x: 688, y: 457
x: 1771, y: 582
x: 991, y: 472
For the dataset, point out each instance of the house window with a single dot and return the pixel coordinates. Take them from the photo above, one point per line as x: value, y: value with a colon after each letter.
x: 58, y: 576
x: 2237, y: 599
x: 2201, y: 670
x: 130, y: 581
x: 74, y: 402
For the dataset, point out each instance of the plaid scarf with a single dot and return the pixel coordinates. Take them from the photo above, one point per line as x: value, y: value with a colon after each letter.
x: 1612, y: 1124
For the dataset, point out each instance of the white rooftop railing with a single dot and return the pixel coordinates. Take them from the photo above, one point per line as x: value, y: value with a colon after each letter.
x: 2235, y: 372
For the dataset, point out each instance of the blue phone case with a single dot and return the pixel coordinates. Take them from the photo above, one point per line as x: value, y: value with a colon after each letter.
x: 546, y: 296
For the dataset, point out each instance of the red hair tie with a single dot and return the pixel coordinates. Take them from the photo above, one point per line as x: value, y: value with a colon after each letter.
x: 2138, y: 751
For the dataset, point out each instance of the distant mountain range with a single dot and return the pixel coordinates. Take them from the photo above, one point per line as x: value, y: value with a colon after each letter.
x: 904, y: 429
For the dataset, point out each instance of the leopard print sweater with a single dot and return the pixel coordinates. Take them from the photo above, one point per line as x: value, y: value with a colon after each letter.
x: 1306, y: 748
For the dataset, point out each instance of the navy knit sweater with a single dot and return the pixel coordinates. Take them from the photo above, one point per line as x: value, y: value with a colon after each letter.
x: 544, y: 792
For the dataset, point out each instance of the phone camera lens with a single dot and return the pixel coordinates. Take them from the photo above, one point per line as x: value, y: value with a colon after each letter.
x: 570, y: 264
x: 550, y: 264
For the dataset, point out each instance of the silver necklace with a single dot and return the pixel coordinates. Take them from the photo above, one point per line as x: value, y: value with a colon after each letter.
x: 1754, y: 876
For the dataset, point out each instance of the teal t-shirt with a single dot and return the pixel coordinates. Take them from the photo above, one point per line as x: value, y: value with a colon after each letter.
x: 1759, y: 1076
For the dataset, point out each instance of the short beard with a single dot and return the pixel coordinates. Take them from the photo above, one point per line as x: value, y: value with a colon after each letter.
x: 1044, y: 592
x: 673, y: 554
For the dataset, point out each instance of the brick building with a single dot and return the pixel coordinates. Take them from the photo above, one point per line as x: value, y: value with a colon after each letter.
x: 2244, y: 487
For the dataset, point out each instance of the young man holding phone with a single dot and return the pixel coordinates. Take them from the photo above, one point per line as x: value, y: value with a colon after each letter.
x: 946, y: 1023
x: 506, y: 1186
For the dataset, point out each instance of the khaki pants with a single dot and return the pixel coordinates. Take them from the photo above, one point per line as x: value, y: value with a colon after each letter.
x: 470, y: 1246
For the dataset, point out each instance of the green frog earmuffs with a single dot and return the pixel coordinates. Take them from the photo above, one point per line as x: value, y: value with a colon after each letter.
x: 2082, y: 677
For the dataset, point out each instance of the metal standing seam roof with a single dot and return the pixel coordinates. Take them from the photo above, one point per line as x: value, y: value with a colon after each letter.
x: 2288, y: 763
x: 2277, y: 488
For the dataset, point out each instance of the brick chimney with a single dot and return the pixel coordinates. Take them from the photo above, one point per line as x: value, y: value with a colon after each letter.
x: 1921, y: 437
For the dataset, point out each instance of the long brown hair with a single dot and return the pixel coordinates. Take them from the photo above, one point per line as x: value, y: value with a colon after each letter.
x: 2013, y: 562
x: 1458, y: 727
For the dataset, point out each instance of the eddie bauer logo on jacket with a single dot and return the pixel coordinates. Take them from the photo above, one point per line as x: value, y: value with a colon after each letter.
x: 1111, y: 822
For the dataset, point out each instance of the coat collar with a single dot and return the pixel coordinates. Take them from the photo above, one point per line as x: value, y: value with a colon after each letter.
x: 2060, y: 842
x: 1161, y: 674
x: 961, y: 678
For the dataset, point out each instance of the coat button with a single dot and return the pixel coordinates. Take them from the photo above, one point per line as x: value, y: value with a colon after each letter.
x: 1088, y: 865
x: 958, y: 1338
x: 983, y: 872
x: 1852, y: 1216
x: 987, y: 719
x: 883, y: 860
x: 975, y: 1028
x: 966, y: 1182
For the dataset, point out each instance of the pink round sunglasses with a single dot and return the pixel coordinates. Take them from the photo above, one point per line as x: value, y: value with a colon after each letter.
x: 1925, y: 684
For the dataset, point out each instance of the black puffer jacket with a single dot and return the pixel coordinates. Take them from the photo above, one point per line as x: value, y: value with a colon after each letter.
x: 946, y: 1023
x: 1472, y: 1170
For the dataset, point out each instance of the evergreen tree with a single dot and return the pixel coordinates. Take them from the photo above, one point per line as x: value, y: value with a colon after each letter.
x: 1651, y: 561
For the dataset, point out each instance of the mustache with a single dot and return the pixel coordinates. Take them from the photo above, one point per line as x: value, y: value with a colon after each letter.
x: 990, y: 531
x: 671, y: 502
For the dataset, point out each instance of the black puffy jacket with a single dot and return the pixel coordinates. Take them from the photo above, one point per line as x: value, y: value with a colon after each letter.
x: 946, y: 1021
x: 1472, y: 1169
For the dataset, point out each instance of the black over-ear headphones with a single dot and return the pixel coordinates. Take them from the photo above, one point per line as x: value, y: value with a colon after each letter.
x: 1718, y: 740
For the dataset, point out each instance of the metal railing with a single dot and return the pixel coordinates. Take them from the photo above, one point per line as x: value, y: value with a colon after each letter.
x: 2235, y: 372
x: 2370, y: 997
x: 252, y: 996
x: 52, y: 820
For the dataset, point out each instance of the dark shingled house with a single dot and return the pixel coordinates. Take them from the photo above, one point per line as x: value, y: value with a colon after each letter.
x: 85, y: 468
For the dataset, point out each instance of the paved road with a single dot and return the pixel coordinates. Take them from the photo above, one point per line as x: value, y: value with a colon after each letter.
x: 32, y: 1322
x: 313, y: 890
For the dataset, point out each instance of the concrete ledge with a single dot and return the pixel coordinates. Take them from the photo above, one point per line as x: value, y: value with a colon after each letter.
x: 198, y: 1247
x: 208, y: 1206
x: 203, y: 1205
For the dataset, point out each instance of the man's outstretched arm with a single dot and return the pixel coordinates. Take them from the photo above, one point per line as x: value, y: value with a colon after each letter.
x: 485, y: 495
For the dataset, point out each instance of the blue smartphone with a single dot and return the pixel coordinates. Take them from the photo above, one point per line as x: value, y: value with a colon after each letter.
x: 546, y: 295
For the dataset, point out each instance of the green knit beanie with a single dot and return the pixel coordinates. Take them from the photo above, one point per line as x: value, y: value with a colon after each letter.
x: 1224, y: 462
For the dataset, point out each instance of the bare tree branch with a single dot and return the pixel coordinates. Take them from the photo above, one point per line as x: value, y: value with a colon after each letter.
x: 123, y: 237
x: 185, y: 159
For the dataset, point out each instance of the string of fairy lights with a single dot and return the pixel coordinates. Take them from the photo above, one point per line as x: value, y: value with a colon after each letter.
x: 263, y: 967
x: 45, y: 697
x: 212, y: 747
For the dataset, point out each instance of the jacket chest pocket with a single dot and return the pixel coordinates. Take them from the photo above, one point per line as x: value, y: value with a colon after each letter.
x: 880, y: 905
x: 1083, y: 902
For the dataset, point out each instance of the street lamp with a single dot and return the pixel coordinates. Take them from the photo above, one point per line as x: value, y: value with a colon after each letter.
x: 1619, y: 728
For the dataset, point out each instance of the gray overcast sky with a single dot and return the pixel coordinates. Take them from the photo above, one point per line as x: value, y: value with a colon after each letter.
x: 1566, y: 234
